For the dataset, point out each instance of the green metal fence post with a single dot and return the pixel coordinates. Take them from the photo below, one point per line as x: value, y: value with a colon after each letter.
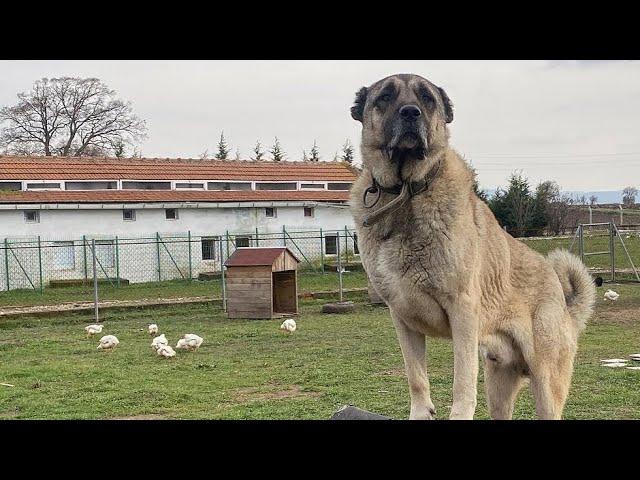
x: 40, y: 263
x: 190, y: 267
x: 284, y: 236
x: 321, y: 251
x: 84, y: 248
x: 117, y: 262
x: 158, y: 254
x: 257, y: 238
x: 227, y: 243
x: 6, y: 260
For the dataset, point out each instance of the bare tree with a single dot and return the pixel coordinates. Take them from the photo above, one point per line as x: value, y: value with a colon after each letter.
x: 593, y: 200
x: 204, y: 155
x: 629, y: 195
x: 70, y: 117
x: 237, y: 159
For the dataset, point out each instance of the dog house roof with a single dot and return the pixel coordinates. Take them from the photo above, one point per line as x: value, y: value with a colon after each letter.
x: 256, y: 256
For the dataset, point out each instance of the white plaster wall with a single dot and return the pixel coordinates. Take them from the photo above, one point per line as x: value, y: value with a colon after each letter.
x: 137, y: 248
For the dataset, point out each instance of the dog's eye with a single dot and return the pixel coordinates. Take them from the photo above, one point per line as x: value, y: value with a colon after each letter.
x: 426, y: 98
x: 385, y: 98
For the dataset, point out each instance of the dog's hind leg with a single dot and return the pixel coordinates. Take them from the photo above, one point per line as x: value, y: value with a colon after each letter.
x: 550, y: 388
x: 502, y: 384
x: 413, y: 348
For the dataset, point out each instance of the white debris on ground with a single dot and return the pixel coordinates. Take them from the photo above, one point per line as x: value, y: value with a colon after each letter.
x: 633, y: 368
x: 614, y: 360
x: 611, y: 295
x: 153, y: 329
x: 614, y: 365
x: 635, y: 356
x: 289, y: 325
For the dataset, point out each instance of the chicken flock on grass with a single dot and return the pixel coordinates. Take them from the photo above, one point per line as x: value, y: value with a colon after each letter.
x: 160, y: 343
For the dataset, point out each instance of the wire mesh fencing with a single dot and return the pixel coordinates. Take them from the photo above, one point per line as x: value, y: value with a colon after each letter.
x: 155, y: 265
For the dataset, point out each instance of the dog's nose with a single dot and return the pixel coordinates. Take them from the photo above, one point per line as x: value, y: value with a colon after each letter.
x: 410, y: 112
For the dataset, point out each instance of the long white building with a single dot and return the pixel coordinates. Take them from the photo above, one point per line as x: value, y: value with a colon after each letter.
x: 68, y: 201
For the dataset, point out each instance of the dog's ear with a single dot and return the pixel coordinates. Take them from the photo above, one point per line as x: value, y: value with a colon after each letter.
x: 448, y: 106
x: 357, y: 111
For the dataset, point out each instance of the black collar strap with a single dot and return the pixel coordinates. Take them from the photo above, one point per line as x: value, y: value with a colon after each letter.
x: 405, y: 191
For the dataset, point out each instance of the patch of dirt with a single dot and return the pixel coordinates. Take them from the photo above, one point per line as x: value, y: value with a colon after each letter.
x: 252, y: 394
x: 151, y: 416
x: 616, y: 316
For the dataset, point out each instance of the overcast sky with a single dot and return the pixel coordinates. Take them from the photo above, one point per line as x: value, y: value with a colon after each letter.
x: 574, y: 122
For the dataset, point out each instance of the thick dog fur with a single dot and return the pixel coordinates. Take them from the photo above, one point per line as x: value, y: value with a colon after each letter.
x: 446, y: 268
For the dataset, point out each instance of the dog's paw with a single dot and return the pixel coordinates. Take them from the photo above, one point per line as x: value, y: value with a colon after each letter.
x: 428, y: 413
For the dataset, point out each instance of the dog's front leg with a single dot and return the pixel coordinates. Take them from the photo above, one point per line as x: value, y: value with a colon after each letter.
x: 413, y: 348
x: 464, y: 333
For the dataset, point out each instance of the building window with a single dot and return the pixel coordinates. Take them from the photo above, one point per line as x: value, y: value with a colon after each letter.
x: 271, y: 212
x: 242, y: 242
x: 129, y: 215
x: 11, y: 186
x: 309, y: 211
x: 356, y: 250
x: 190, y: 186
x: 43, y: 186
x: 146, y: 185
x: 276, y: 186
x: 91, y: 185
x: 312, y: 186
x: 330, y: 245
x: 208, y: 248
x: 171, y: 214
x: 64, y: 257
x: 338, y: 186
x: 105, y: 253
x: 32, y: 216
x: 229, y: 185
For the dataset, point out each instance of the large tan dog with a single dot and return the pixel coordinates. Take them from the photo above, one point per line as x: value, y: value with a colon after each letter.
x: 437, y: 256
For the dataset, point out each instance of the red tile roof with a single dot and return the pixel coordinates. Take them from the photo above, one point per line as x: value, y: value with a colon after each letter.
x: 256, y: 256
x: 150, y: 196
x: 90, y: 168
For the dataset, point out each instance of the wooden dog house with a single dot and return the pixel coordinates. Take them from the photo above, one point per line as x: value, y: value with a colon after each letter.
x: 262, y: 282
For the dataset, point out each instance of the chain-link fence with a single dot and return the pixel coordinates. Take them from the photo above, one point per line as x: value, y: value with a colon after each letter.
x: 163, y: 261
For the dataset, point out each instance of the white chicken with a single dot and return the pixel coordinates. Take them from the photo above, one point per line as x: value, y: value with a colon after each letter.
x: 611, y: 295
x: 166, y: 351
x: 108, y: 342
x: 153, y: 329
x: 190, y: 341
x: 159, y: 340
x: 93, y: 329
x: 289, y: 325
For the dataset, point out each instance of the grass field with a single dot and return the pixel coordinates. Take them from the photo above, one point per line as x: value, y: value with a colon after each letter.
x: 307, y: 282
x: 251, y: 370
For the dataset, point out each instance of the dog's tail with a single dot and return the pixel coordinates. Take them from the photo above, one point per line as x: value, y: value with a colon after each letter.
x: 577, y: 285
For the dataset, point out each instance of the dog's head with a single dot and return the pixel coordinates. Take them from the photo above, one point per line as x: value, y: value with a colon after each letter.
x: 404, y: 126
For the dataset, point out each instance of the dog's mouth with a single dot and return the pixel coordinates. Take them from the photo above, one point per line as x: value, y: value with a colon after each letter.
x: 408, y: 144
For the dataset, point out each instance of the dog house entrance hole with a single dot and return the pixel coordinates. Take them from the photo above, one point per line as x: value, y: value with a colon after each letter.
x: 284, y: 292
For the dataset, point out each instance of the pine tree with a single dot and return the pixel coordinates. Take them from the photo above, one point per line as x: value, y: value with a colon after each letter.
x: 277, y: 153
x: 223, y: 149
x: 257, y: 152
x: 315, y: 154
x: 347, y: 152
